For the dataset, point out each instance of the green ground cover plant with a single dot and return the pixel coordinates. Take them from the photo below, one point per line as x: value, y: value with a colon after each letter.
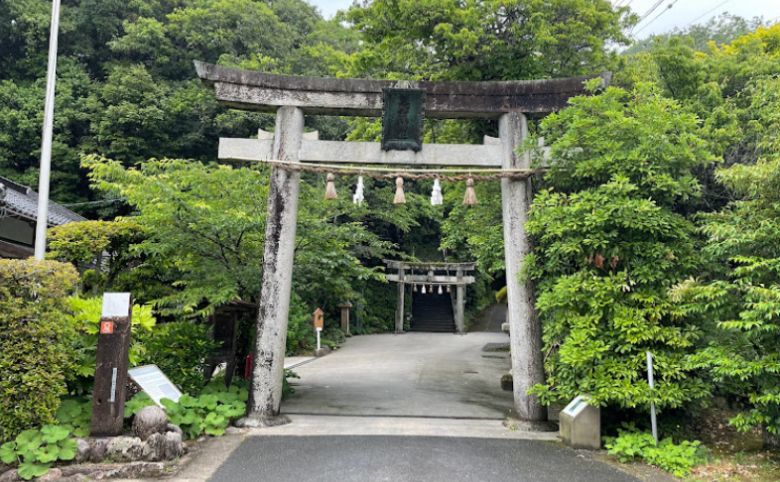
x: 35, y: 450
x: 676, y: 458
x: 210, y: 412
x: 75, y: 414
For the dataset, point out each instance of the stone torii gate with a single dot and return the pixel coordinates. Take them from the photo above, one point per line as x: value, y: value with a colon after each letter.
x: 290, y: 97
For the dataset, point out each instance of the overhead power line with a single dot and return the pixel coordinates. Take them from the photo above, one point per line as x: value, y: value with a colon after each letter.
x: 93, y: 203
x: 650, y: 11
x: 668, y: 7
x: 724, y: 2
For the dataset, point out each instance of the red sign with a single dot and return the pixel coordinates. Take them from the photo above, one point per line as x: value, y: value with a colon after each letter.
x: 106, y: 327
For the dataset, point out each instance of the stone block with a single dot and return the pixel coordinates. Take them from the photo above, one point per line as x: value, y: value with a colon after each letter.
x: 507, y: 382
x: 9, y: 476
x: 125, y: 449
x: 580, y: 424
x: 148, y: 421
x: 83, y: 450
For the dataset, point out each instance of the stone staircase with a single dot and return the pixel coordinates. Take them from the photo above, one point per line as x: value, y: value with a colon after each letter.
x: 432, y: 312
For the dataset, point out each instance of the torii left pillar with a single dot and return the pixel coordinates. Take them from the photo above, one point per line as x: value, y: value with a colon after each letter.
x: 265, y: 395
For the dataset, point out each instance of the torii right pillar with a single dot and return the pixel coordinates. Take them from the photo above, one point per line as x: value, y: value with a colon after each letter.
x: 525, y: 337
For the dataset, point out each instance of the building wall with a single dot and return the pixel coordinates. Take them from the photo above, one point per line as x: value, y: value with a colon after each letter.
x: 17, y: 231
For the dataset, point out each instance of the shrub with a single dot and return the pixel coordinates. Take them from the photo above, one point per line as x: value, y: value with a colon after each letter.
x: 300, y: 334
x: 180, y: 349
x: 33, y: 361
x: 678, y: 459
x: 610, y: 239
x: 83, y: 321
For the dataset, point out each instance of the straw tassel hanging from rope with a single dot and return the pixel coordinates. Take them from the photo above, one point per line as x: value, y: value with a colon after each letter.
x: 470, y: 198
x: 330, y: 187
x: 400, y: 197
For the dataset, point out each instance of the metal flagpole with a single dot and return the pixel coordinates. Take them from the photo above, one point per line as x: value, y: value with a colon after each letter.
x: 48, y: 122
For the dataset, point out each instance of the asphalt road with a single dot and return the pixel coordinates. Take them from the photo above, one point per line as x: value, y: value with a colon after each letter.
x: 398, y: 458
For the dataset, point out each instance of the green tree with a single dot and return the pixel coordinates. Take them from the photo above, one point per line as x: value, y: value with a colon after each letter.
x: 204, y: 227
x: 739, y: 296
x: 486, y: 40
x: 126, y: 85
x: 610, y: 242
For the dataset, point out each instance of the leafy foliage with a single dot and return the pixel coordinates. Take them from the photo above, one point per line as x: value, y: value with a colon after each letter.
x: 181, y: 350
x: 35, y: 450
x: 82, y: 319
x: 100, y: 250
x: 609, y: 243
x: 209, y: 413
x: 745, y: 299
x: 136, y: 403
x: 75, y: 415
x: 33, y: 356
x: 126, y: 86
x: 678, y: 459
x: 485, y: 40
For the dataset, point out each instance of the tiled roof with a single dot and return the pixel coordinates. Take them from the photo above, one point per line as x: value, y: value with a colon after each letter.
x: 22, y: 201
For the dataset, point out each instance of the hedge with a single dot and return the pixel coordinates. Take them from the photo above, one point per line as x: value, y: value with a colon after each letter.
x: 33, y: 354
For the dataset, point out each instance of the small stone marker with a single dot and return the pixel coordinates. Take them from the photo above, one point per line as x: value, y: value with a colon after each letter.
x: 108, y: 398
x: 580, y: 424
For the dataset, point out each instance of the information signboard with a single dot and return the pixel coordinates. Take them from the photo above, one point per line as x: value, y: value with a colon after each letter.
x: 154, y: 382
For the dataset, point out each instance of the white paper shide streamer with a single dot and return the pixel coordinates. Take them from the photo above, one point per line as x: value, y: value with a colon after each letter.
x: 358, y: 198
x: 436, y: 197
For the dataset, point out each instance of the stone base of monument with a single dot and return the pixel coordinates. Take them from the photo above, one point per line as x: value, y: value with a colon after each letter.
x: 554, y: 412
x: 127, y: 471
x: 505, y: 327
x: 125, y: 456
x: 253, y: 421
x: 529, y: 426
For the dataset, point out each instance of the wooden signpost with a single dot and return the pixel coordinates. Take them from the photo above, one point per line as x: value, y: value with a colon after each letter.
x: 318, y: 319
x: 108, y: 398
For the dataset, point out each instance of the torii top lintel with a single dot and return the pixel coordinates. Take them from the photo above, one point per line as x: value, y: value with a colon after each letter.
x: 251, y: 90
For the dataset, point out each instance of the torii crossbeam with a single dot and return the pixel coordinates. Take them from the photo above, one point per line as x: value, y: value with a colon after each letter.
x: 290, y: 97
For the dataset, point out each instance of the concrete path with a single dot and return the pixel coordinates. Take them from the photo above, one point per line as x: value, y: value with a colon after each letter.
x: 410, y: 375
x: 429, y: 459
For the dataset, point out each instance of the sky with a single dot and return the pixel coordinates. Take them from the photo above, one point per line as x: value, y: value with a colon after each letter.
x: 681, y: 14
